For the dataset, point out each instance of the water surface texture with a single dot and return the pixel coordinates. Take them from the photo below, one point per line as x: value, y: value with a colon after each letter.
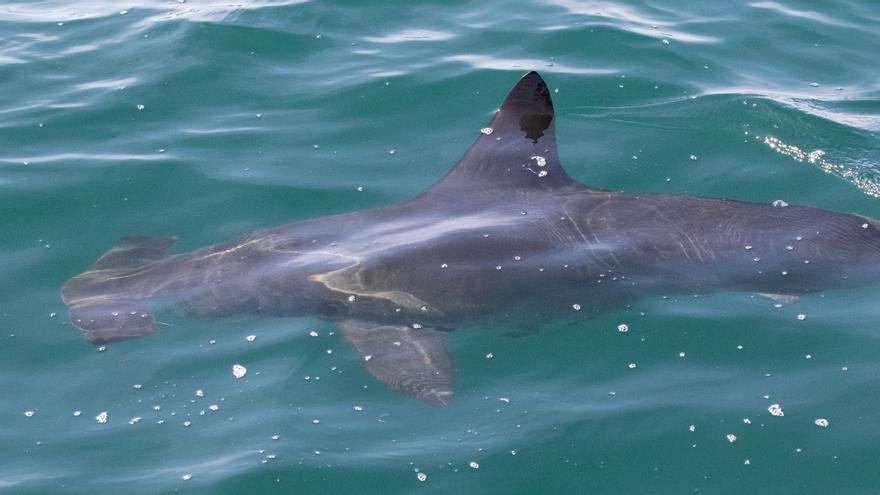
x: 208, y: 119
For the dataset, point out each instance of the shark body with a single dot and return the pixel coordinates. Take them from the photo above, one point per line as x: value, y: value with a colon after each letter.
x: 507, y: 234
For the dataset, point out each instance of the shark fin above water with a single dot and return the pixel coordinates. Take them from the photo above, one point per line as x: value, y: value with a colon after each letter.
x: 96, y: 298
x: 516, y: 151
x: 410, y: 361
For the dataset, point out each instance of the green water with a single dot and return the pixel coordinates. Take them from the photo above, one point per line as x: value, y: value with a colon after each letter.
x: 259, y: 113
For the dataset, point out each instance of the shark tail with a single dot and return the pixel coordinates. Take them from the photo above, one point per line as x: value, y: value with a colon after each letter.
x: 101, y: 300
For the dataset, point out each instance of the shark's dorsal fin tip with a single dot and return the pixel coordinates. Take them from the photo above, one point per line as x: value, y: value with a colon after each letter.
x: 516, y: 150
x: 530, y: 97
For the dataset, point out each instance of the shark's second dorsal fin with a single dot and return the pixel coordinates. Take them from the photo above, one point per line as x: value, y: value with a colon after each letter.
x: 517, y: 150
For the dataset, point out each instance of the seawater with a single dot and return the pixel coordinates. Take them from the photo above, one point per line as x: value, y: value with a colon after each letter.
x: 208, y: 119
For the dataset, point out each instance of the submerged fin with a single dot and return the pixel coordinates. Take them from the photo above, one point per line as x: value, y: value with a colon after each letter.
x: 410, y: 361
x: 517, y: 149
x: 99, y: 301
x: 112, y: 321
x: 134, y: 252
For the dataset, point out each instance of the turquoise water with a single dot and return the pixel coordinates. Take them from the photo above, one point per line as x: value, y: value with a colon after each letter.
x: 259, y: 113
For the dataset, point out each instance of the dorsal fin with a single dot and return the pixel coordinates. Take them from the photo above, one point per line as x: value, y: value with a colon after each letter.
x: 517, y: 150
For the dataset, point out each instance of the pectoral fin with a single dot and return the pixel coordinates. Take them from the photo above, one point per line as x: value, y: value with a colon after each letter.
x: 410, y: 361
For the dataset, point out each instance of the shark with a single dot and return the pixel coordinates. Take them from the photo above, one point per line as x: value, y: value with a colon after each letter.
x: 506, y: 235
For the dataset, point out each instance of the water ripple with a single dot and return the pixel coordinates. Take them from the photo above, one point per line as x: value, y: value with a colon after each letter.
x: 411, y: 35
x: 499, y: 63
x: 195, y: 10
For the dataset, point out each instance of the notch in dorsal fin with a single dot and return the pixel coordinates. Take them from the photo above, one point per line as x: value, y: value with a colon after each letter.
x: 518, y: 147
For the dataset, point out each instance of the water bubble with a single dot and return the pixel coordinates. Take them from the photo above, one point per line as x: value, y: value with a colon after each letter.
x: 238, y: 371
x: 776, y: 410
x: 186, y: 477
x: 101, y: 418
x: 731, y: 437
x: 135, y: 420
x: 140, y: 106
x: 692, y: 428
x: 576, y: 307
x: 623, y: 328
x: 801, y: 317
x: 821, y: 423
x: 632, y: 366
x: 421, y: 476
x: 487, y: 130
x: 490, y: 355
x: 200, y: 393
x: 779, y: 204
x: 539, y: 160
x: 351, y: 298
x: 392, y: 151
x: 251, y: 338
x: 474, y: 465
x: 313, y: 333
x: 542, y: 174
x: 358, y: 408
x: 29, y: 414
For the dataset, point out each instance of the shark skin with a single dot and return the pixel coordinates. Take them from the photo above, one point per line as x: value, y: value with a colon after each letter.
x: 506, y: 235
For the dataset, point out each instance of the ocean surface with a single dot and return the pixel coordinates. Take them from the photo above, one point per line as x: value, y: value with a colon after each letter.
x: 206, y: 119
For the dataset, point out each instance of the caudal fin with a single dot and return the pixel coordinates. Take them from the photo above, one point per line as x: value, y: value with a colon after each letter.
x: 101, y: 300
